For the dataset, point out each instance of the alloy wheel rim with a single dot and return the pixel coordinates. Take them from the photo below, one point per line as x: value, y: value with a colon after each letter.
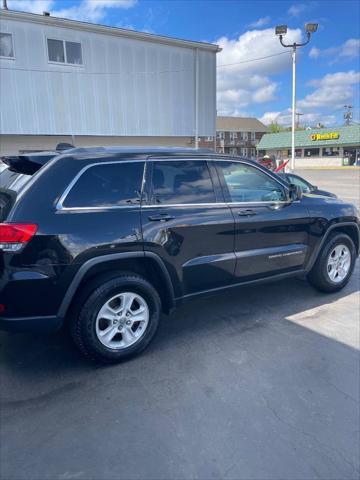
x: 122, y: 320
x: 338, y: 264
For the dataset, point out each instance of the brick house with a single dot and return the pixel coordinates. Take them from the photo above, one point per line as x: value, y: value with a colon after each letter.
x: 236, y: 136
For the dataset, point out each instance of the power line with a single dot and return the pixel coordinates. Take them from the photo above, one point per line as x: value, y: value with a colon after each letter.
x: 252, y: 60
x: 135, y: 73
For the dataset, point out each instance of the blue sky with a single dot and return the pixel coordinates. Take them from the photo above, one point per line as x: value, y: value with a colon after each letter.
x: 328, y: 68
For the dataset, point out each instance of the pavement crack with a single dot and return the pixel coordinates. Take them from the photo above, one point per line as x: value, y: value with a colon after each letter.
x: 310, y: 435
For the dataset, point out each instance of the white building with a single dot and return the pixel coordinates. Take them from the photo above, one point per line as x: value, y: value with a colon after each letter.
x: 68, y: 81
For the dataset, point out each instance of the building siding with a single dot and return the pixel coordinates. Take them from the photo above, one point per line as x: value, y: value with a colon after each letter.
x: 126, y: 87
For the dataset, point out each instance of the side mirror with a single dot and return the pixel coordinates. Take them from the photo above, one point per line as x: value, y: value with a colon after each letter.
x: 295, y: 192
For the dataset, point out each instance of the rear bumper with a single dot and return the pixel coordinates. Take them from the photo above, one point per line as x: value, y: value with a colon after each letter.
x: 31, y: 324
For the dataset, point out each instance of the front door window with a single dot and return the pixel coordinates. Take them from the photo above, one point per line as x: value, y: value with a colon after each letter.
x: 245, y: 183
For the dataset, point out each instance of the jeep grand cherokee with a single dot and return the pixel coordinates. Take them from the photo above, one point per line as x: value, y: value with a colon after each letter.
x: 105, y: 240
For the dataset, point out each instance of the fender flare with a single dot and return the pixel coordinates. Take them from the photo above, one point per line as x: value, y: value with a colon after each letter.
x: 317, y: 250
x: 85, y: 267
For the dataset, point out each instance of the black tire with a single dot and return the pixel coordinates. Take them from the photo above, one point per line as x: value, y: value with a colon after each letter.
x: 319, y: 277
x: 83, y: 324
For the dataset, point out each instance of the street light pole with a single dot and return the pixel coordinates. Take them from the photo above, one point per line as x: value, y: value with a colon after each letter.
x: 292, y: 165
x: 281, y: 31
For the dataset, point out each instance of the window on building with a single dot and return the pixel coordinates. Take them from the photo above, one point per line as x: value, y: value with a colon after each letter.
x: 243, y: 152
x: 233, y: 135
x: 249, y: 184
x: 233, y: 151
x: 6, y: 45
x: 61, y: 51
x: 331, y: 152
x: 253, y: 136
x: 220, y: 135
x: 244, y: 136
x: 298, y: 152
x: 209, y: 139
x: 182, y: 182
x: 253, y: 152
x: 108, y: 185
x: 312, y: 152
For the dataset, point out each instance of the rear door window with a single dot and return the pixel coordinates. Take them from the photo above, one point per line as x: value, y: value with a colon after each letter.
x: 107, y: 185
x: 182, y: 182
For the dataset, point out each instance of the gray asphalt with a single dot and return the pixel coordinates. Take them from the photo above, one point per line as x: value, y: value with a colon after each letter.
x: 258, y: 383
x: 345, y: 183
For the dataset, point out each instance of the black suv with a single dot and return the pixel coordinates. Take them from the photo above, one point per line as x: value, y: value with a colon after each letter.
x: 105, y: 240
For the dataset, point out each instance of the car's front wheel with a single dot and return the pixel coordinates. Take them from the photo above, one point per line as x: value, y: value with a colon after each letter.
x: 335, y: 264
x: 118, y: 320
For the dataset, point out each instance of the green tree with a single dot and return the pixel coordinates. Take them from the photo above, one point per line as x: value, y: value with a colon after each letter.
x: 274, y: 127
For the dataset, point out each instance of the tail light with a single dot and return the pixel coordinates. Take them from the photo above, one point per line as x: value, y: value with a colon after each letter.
x: 13, y: 236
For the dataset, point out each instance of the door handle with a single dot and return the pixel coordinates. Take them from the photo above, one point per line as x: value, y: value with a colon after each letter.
x: 247, y: 213
x: 163, y: 217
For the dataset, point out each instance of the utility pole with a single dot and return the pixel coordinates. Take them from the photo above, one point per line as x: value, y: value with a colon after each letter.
x: 281, y: 31
x: 348, y: 114
x: 5, y: 7
x: 298, y: 115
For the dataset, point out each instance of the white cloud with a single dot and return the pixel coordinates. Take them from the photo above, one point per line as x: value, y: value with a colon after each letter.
x: 331, y: 92
x: 310, y: 119
x: 347, y: 51
x: 314, y: 52
x: 297, y: 9
x: 269, y: 117
x: 265, y: 94
x: 261, y: 22
x: 92, y: 10
x: 242, y: 84
x: 85, y: 10
x: 34, y: 6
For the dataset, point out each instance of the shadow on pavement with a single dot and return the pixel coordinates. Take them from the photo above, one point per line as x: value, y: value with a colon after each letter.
x: 261, y: 382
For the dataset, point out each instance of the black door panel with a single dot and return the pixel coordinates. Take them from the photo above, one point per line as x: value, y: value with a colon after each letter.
x: 184, y: 224
x: 270, y: 236
x: 197, y: 244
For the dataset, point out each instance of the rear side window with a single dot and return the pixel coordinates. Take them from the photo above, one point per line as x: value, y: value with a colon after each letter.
x: 182, y: 182
x: 107, y: 185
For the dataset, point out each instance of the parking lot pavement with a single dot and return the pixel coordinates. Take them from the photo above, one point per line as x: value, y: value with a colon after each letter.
x: 344, y: 183
x: 257, y: 383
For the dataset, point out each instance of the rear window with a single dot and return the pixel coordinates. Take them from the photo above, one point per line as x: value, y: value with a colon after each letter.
x: 107, y: 185
x: 10, y: 180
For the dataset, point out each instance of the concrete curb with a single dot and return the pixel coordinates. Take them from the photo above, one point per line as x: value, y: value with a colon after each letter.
x: 356, y: 168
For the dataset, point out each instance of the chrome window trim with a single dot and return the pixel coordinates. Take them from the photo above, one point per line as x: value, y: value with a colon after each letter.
x: 212, y: 158
x: 60, y: 204
x: 215, y: 204
x: 251, y: 165
x: 145, y: 160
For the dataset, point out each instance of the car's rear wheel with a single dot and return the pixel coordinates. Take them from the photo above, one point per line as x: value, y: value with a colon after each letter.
x: 118, y: 320
x: 333, y: 268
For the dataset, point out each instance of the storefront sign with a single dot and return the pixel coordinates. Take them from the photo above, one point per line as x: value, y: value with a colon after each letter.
x: 325, y: 136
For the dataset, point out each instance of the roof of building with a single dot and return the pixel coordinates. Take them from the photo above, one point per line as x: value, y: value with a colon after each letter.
x: 349, y: 135
x: 105, y: 29
x: 238, y: 124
